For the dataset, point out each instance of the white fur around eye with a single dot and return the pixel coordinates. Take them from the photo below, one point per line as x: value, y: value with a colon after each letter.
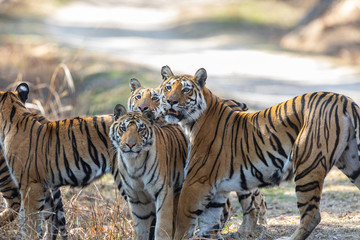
x: 23, y: 88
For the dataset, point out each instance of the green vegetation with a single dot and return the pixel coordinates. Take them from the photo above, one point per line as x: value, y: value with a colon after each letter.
x: 262, y: 12
x: 101, y: 91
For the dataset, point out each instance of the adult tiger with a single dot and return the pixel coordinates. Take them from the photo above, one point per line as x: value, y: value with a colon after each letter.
x: 41, y: 156
x: 235, y: 151
x: 151, y: 160
x: 10, y: 192
x: 252, y: 202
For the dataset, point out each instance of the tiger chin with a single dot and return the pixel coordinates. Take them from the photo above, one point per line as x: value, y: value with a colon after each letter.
x: 152, y: 176
x: 232, y: 151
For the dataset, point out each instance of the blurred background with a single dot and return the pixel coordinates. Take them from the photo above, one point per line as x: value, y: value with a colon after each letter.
x: 78, y: 55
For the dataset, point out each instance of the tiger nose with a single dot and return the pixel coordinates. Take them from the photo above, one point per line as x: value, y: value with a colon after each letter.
x: 172, y: 102
x: 130, y: 145
x: 143, y: 108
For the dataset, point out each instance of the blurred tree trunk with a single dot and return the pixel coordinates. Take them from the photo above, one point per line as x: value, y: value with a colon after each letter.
x: 326, y: 18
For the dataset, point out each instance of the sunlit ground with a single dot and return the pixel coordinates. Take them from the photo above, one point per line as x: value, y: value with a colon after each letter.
x: 340, y: 211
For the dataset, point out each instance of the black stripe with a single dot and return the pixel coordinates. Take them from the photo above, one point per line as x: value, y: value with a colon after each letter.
x: 12, y: 114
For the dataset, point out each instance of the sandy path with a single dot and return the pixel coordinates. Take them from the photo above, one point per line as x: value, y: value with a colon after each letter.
x: 146, y: 33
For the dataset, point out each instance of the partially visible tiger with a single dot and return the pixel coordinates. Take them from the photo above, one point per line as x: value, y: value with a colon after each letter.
x: 10, y: 192
x: 151, y: 162
x: 238, y: 151
x: 42, y: 156
x: 252, y: 202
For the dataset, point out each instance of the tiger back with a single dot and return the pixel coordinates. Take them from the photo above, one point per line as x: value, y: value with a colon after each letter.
x: 151, y: 162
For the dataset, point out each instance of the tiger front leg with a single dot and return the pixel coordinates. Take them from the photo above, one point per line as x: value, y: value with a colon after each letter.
x: 10, y: 193
x: 54, y: 214
x: 193, y: 199
x: 254, y: 210
x: 143, y: 213
x: 12, y: 209
x: 32, y: 197
x: 165, y: 215
x: 210, y: 220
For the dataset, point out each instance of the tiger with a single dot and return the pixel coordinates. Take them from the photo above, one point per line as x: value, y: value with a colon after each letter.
x: 45, y: 156
x: 53, y: 202
x: 252, y: 202
x: 151, y: 160
x: 231, y: 151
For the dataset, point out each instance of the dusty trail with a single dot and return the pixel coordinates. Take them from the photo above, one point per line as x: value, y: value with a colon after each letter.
x: 151, y: 34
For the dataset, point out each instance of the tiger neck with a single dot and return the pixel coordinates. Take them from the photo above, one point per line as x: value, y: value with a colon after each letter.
x: 192, y: 128
x: 15, y: 118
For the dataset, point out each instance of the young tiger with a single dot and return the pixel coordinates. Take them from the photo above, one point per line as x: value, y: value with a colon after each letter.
x: 238, y: 151
x: 252, y: 202
x: 151, y: 161
x: 44, y: 156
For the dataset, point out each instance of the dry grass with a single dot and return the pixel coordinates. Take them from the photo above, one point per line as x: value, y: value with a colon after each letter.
x: 52, y: 87
x: 50, y: 100
x: 99, y: 212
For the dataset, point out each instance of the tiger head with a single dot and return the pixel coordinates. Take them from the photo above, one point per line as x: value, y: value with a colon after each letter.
x: 144, y: 99
x: 10, y: 101
x: 131, y: 133
x: 181, y: 96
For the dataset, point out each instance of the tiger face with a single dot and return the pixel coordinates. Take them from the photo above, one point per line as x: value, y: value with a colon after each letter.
x: 131, y: 132
x: 181, y: 96
x: 144, y: 99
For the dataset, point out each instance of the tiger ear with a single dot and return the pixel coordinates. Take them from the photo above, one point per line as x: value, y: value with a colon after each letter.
x: 200, y: 77
x: 119, y: 111
x: 134, y: 84
x: 166, y: 72
x: 150, y: 116
x: 23, y: 91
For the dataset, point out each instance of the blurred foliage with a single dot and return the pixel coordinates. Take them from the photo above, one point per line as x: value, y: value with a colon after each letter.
x: 29, y: 56
x: 330, y: 27
x: 109, y: 87
x: 260, y: 12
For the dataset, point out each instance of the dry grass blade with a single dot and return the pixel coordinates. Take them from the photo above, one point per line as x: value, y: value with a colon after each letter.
x: 68, y: 80
x: 36, y: 105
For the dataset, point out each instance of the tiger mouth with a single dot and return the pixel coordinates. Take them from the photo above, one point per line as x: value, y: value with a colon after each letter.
x: 172, y: 112
x: 131, y: 151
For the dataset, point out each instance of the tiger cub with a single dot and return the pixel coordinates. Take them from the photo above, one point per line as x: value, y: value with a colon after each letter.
x: 151, y: 162
x: 252, y: 202
x: 232, y: 151
x: 45, y: 156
